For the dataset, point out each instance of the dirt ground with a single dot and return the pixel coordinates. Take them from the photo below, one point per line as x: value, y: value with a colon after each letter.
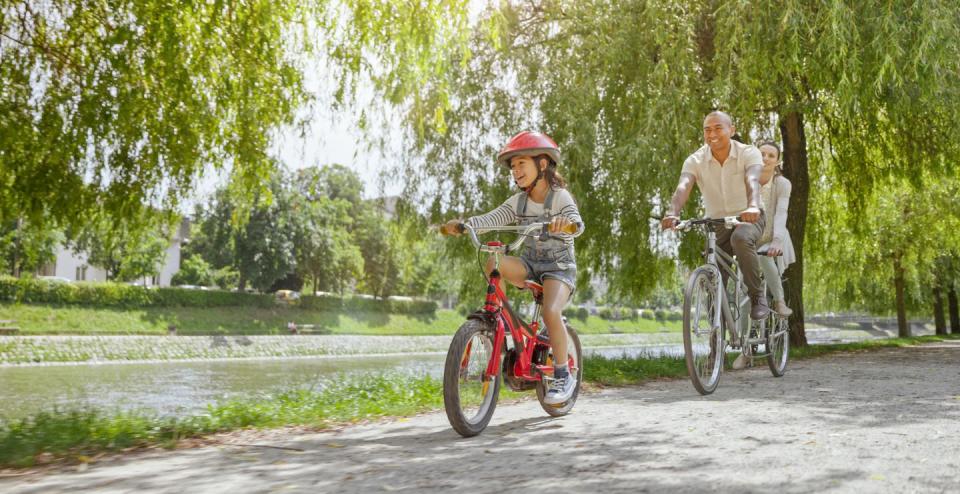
x: 881, y: 421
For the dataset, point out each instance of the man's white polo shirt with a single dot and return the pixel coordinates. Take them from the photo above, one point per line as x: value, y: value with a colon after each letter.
x: 723, y: 188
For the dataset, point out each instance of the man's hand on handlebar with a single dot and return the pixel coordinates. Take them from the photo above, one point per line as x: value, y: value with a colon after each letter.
x: 669, y: 222
x: 750, y: 215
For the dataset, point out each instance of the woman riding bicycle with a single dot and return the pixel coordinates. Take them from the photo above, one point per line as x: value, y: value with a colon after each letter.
x: 775, y: 195
x: 532, y: 158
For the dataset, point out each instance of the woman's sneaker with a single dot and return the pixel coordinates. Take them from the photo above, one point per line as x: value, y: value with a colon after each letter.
x: 780, y: 307
x: 561, y: 390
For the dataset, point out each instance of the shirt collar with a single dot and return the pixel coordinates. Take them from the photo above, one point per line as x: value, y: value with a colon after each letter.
x: 735, y: 148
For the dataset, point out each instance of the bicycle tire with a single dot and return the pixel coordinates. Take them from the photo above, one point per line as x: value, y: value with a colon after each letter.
x: 778, y: 345
x: 460, y: 384
x: 565, y: 407
x: 704, y: 367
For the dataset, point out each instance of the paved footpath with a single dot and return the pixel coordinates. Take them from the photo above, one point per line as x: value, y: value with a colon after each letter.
x: 880, y: 421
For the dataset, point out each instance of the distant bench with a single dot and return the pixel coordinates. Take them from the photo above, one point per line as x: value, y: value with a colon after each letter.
x: 295, y: 328
x: 7, y: 328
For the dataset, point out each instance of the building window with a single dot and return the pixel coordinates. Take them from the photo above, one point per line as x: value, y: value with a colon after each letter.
x: 81, y: 273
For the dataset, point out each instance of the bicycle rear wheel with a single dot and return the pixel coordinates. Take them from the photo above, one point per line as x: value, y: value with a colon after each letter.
x: 469, y: 394
x: 574, y: 354
x: 703, y: 344
x: 778, y: 344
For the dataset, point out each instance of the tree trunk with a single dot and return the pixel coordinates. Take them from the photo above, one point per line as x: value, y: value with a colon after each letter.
x: 795, y: 170
x: 938, y: 318
x: 952, y: 307
x: 898, y: 282
x: 16, y: 249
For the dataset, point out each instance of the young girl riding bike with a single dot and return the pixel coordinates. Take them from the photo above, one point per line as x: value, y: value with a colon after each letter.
x: 532, y: 158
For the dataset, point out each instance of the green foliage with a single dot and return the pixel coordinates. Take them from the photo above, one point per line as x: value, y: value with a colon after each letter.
x: 194, y: 271
x: 137, y: 98
x: 856, y: 267
x: 34, y: 291
x: 381, y: 259
x: 127, y: 248
x: 325, y: 248
x: 623, y: 88
x: 26, y: 246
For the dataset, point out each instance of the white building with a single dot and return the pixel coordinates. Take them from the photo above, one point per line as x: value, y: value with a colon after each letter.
x: 74, y: 266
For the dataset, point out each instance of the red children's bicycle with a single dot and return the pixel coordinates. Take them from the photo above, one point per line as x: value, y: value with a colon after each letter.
x: 480, y: 350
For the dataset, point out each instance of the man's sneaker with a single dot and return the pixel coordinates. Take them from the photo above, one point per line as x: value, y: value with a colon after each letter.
x: 780, y: 307
x: 740, y: 362
x: 561, y: 390
x: 759, y: 308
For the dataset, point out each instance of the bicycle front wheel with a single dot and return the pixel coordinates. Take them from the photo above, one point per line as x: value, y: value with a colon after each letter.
x: 703, y: 344
x: 469, y: 394
x: 778, y: 344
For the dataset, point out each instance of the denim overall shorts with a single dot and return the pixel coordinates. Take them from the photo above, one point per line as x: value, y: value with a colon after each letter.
x: 547, y: 257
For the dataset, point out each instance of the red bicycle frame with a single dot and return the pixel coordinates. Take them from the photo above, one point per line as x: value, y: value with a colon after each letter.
x: 525, y: 338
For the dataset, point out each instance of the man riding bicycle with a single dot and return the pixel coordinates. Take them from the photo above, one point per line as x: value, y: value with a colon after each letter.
x: 728, y: 175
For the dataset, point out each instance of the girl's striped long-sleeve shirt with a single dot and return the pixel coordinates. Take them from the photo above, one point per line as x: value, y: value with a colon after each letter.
x: 507, y: 214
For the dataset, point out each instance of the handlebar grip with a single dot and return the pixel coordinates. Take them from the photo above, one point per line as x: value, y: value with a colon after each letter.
x: 458, y: 228
x: 569, y: 229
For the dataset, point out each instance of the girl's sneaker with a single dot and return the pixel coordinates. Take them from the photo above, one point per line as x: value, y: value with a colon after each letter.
x: 561, y: 390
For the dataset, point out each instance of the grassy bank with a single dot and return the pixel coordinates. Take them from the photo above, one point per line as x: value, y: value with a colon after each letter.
x: 44, y: 319
x: 76, y: 435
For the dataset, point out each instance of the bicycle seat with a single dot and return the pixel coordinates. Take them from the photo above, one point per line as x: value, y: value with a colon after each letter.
x: 535, y: 288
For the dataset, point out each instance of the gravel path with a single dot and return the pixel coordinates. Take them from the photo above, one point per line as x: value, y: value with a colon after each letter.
x: 881, y: 421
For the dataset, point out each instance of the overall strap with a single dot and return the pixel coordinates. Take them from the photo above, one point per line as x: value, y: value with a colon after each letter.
x: 548, y: 204
x: 521, y: 208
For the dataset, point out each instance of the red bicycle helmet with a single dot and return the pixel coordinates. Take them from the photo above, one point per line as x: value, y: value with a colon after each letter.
x: 528, y: 143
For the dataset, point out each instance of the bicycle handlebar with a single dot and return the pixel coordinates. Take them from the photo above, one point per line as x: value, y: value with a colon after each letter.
x: 523, y: 231
x: 728, y: 221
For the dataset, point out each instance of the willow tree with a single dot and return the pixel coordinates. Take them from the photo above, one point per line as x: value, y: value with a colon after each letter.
x: 889, y: 260
x: 111, y: 105
x: 623, y: 88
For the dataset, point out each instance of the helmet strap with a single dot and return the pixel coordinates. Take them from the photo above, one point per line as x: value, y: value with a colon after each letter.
x: 533, y: 184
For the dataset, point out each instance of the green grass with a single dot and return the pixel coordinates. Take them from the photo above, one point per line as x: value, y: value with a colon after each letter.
x: 44, y: 319
x: 811, y: 351
x: 75, y: 435
x: 596, y: 325
x: 78, y: 434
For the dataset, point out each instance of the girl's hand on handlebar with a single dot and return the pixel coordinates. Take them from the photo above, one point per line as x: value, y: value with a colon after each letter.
x: 561, y: 224
x: 452, y: 227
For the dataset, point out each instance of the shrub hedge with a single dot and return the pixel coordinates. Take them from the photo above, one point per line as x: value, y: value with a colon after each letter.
x: 36, y: 291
